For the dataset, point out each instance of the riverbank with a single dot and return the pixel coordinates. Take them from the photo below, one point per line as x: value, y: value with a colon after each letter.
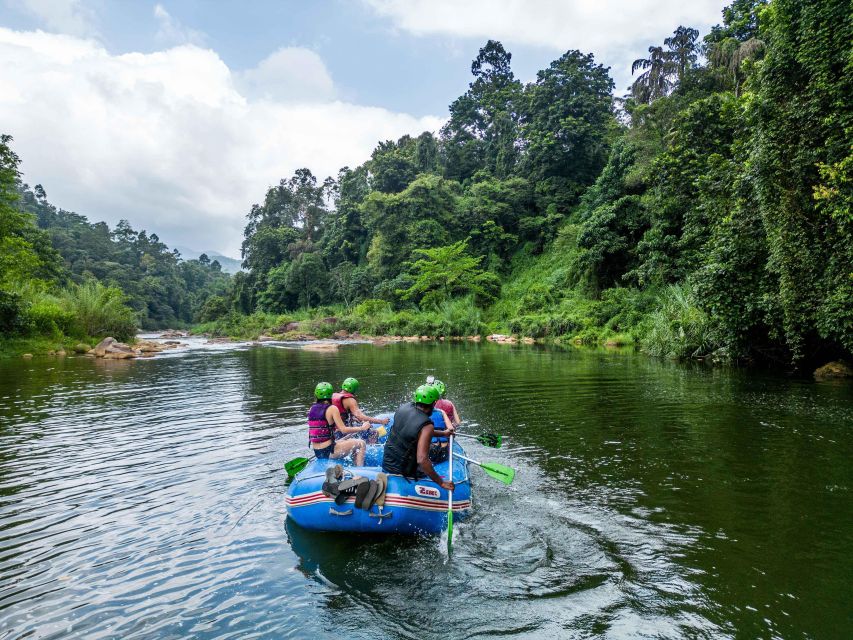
x: 376, y: 321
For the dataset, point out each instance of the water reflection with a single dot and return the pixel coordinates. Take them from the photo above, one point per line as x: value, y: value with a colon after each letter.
x: 145, y: 499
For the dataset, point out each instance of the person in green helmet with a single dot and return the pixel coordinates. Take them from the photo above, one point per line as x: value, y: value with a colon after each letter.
x: 347, y: 403
x: 443, y: 403
x: 323, y: 418
x: 407, y: 448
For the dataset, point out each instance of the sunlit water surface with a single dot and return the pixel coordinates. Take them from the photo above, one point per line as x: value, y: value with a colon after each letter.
x: 144, y: 499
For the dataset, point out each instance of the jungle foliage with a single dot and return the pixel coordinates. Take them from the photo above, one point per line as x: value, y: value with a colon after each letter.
x: 706, y: 213
x: 64, y: 277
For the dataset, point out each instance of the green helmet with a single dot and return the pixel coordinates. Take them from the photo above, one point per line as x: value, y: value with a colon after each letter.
x: 440, y: 387
x: 324, y: 391
x: 350, y: 385
x: 426, y: 394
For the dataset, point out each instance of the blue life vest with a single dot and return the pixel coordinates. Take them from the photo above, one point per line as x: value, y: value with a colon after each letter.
x: 438, y: 425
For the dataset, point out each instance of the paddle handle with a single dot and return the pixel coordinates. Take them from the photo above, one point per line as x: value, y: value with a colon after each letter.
x: 479, y: 464
x: 450, y: 497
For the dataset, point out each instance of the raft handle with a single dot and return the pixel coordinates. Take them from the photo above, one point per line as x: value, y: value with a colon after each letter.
x: 334, y: 512
x: 381, y: 515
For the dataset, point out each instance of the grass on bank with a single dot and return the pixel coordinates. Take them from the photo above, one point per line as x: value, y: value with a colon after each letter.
x: 35, y: 319
x: 661, y: 323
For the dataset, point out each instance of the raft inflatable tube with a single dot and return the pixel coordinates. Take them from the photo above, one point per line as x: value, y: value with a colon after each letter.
x: 412, y: 507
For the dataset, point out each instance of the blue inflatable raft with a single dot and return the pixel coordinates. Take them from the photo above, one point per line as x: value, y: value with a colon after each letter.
x: 411, y: 506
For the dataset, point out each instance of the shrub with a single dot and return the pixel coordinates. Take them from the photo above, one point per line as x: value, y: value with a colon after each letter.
x: 99, y: 311
x: 214, y: 308
x: 371, y: 307
x: 678, y: 328
x: 48, y: 318
x: 13, y: 317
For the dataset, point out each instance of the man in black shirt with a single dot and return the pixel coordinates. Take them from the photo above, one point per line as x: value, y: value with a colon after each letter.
x: 407, y: 448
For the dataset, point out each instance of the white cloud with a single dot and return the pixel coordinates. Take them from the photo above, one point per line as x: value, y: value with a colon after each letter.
x: 616, y: 31
x: 63, y: 16
x: 291, y: 74
x: 170, y: 30
x: 166, y: 139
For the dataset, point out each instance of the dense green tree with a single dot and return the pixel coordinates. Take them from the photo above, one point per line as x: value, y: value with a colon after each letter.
x: 444, y: 272
x: 567, y: 125
x: 803, y: 117
x: 422, y: 216
x: 482, y: 130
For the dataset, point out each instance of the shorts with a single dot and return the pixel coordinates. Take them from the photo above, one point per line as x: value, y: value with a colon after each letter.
x: 437, y: 453
x: 325, y: 452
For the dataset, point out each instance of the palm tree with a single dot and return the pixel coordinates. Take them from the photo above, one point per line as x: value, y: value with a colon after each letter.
x: 655, y: 82
x: 729, y: 54
x: 683, y: 49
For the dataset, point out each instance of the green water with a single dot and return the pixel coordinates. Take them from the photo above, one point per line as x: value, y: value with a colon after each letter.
x: 144, y: 499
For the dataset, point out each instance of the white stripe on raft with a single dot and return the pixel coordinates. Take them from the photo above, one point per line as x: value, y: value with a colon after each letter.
x: 391, y: 499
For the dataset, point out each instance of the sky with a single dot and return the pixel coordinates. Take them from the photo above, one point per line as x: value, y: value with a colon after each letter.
x: 178, y: 115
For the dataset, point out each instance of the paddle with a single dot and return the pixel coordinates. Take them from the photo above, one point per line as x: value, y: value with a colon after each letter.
x: 450, y: 499
x: 494, y: 440
x: 292, y: 467
x: 497, y: 471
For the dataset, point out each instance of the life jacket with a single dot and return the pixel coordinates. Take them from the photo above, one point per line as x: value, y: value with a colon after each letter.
x: 401, y: 449
x: 438, y: 423
x: 319, y: 429
x: 338, y: 400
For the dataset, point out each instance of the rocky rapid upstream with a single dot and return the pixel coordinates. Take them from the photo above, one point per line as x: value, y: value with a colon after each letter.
x: 144, y: 499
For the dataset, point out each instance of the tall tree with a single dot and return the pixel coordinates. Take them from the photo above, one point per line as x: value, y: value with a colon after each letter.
x: 567, y: 123
x: 655, y: 80
x: 683, y: 50
x: 483, y: 124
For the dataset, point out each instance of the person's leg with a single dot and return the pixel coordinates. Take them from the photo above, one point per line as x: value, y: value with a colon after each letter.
x: 356, y: 447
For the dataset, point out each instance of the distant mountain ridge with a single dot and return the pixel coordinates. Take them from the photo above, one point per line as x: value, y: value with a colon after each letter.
x: 229, y: 265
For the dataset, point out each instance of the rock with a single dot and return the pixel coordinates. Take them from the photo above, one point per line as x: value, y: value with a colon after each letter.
x: 528, y: 341
x: 411, y: 339
x: 355, y: 334
x: 290, y: 326
x: 473, y: 338
x: 112, y: 350
x: 27, y: 356
x: 51, y: 352
x: 61, y: 353
x: 218, y: 341
x: 173, y: 333
x: 830, y: 370
x: 500, y: 338
x: 119, y: 355
x: 425, y: 338
x: 330, y: 320
x: 146, y: 346
x: 341, y: 334
x: 101, y: 348
x: 266, y: 339
x: 81, y: 348
x: 321, y: 346
x: 173, y: 343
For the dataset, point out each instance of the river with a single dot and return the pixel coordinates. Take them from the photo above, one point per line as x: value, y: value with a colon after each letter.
x: 144, y: 499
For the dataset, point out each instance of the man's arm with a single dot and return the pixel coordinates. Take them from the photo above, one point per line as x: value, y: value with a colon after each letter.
x: 423, y: 458
x: 450, y: 430
x: 333, y: 413
x: 355, y: 410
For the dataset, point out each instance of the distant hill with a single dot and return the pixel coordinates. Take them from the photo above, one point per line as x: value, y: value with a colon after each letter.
x: 229, y: 265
